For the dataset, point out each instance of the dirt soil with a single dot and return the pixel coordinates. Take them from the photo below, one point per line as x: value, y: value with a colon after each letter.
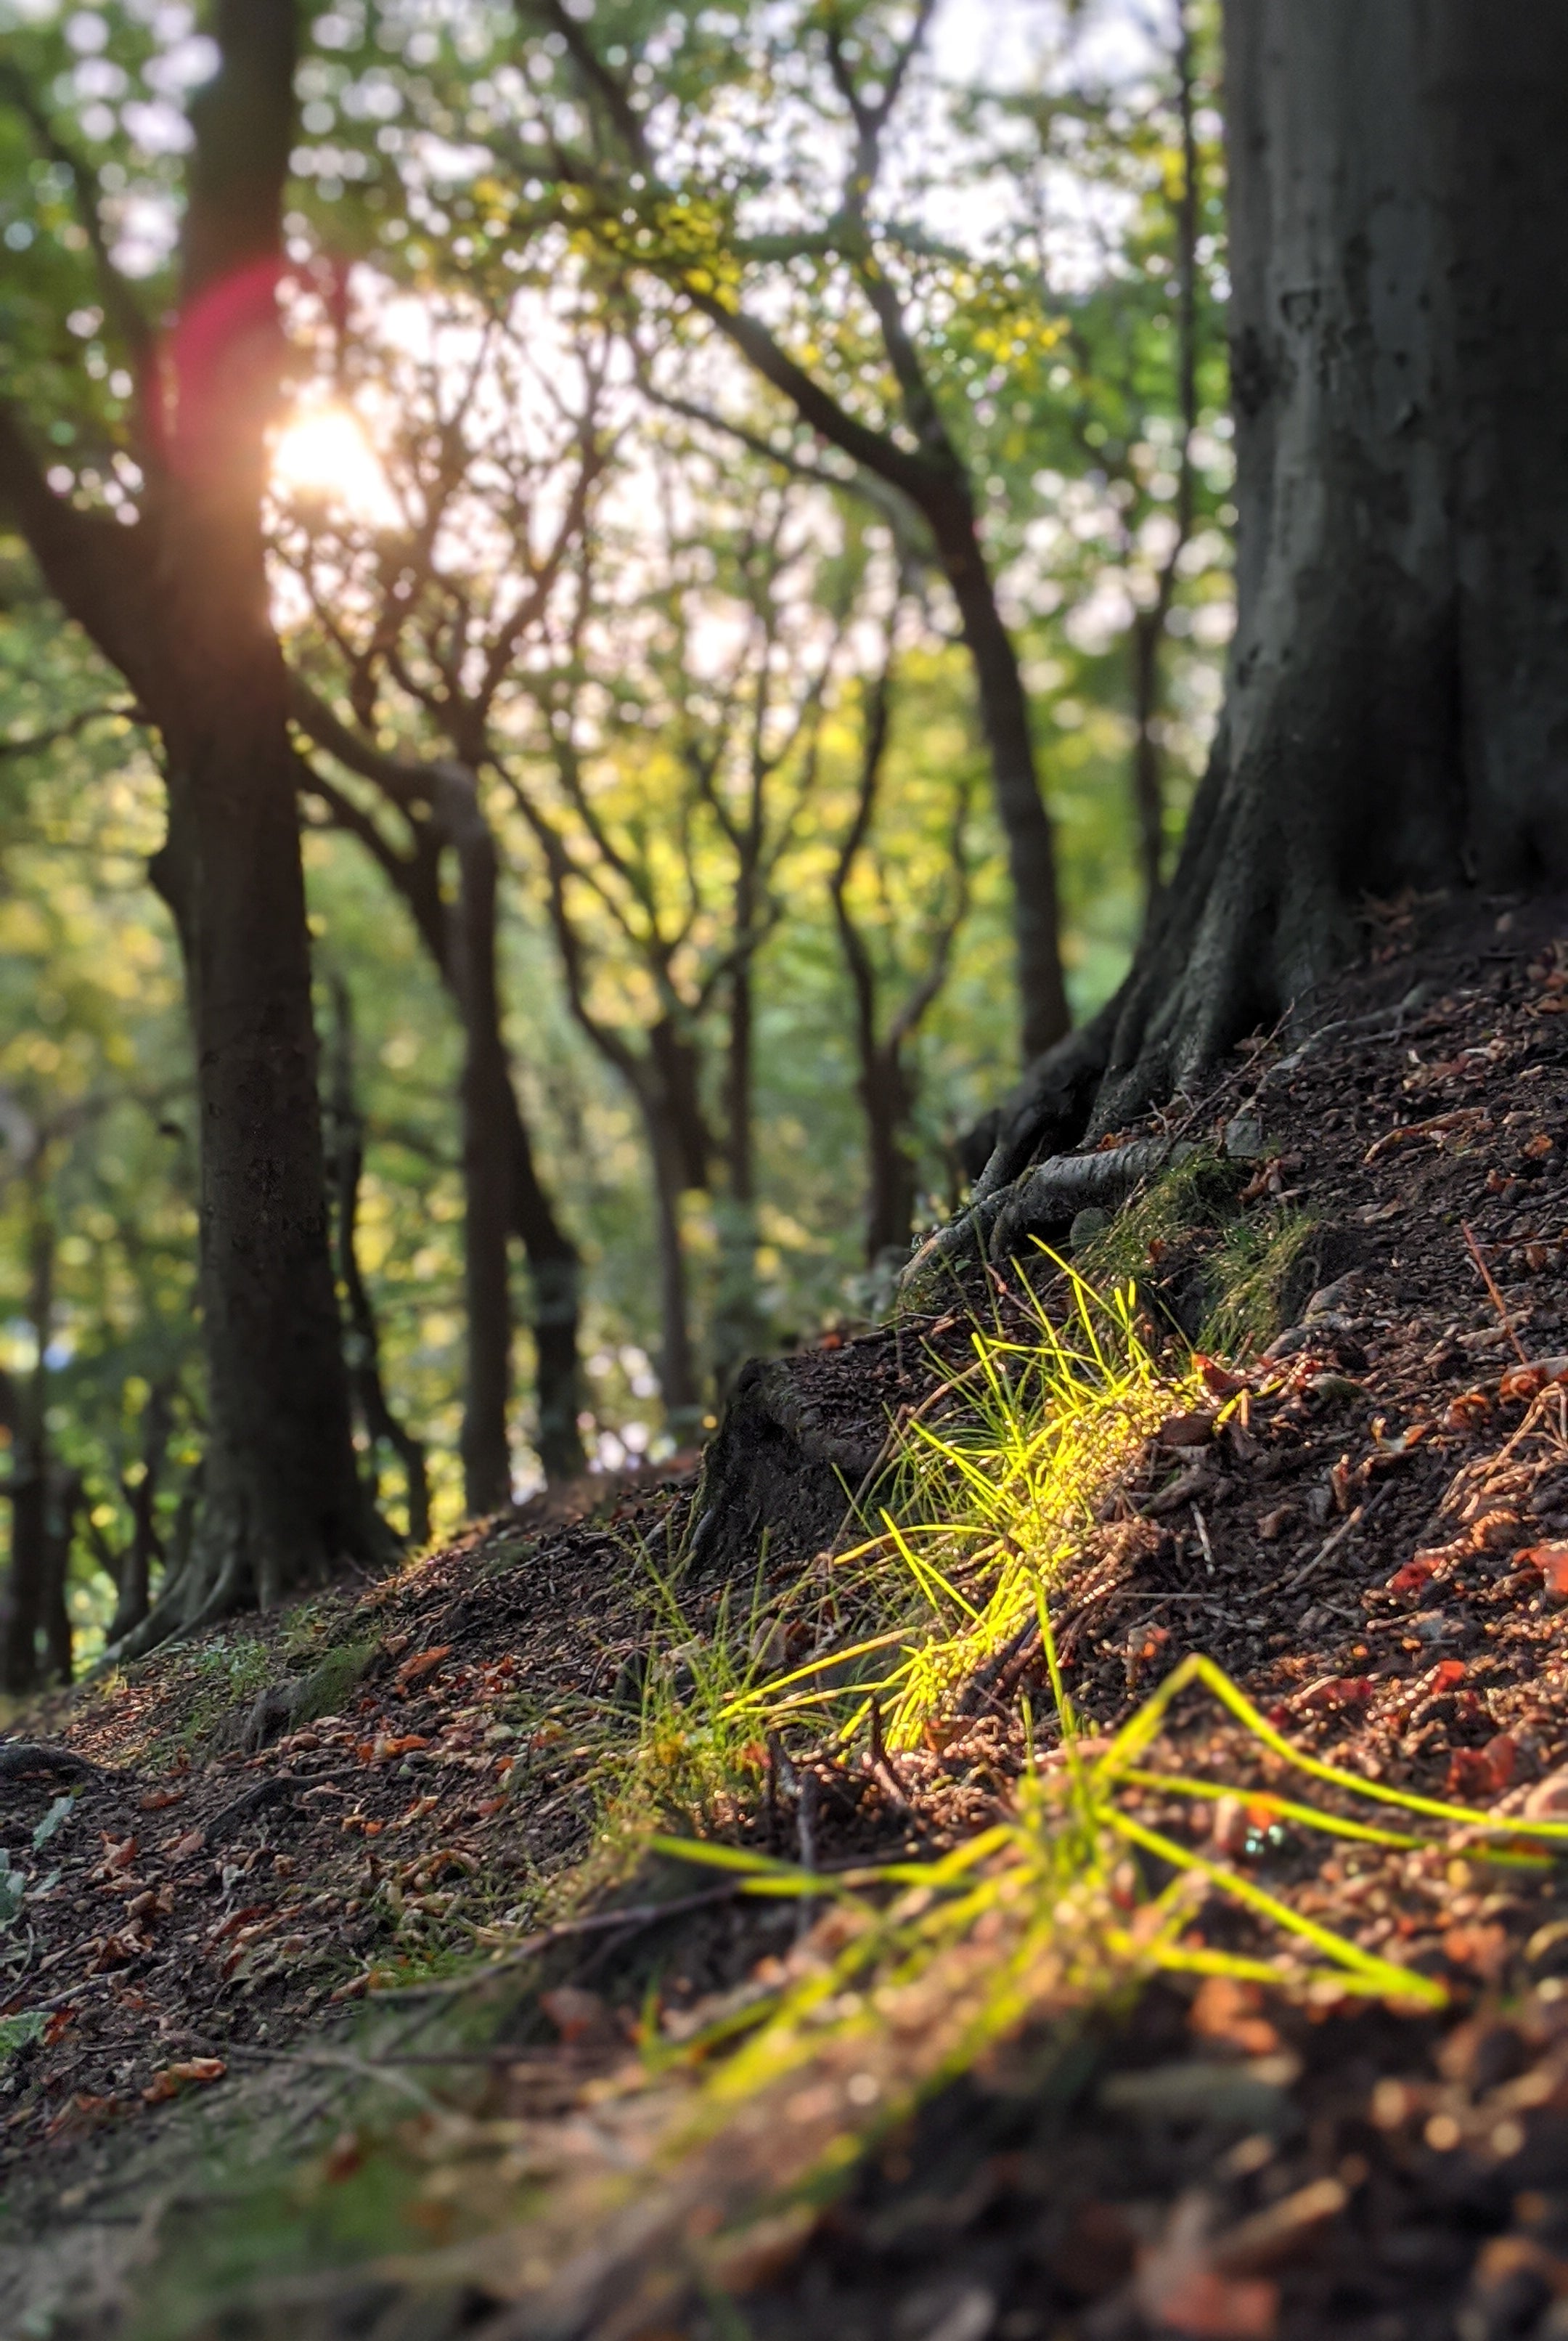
x: 1374, y: 1547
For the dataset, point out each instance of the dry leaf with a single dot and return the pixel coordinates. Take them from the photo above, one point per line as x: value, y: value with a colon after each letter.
x: 424, y: 1662
x: 172, y: 2078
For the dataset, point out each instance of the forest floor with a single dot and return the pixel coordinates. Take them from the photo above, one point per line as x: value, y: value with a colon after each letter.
x: 355, y: 1990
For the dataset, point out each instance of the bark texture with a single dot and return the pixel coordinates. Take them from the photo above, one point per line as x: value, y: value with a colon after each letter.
x: 1397, y: 708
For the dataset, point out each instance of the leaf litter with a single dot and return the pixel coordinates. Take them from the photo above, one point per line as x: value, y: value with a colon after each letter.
x: 890, y: 2078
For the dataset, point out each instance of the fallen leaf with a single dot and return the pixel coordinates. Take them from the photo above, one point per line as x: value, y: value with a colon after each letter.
x: 59, y: 2024
x: 157, y: 1800
x: 424, y: 1662
x: 1194, y: 1429
x: 197, y: 2070
x: 1217, y: 1378
x: 118, y: 1856
x: 1538, y: 1146
x: 1483, y: 1771
x: 416, y: 1811
x: 1413, y: 1575
x: 192, y: 1842
x: 1551, y: 1560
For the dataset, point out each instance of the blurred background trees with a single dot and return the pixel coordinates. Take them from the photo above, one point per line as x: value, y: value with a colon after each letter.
x: 734, y: 462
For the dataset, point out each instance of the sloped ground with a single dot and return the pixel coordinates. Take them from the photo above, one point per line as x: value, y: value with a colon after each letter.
x: 1368, y: 1529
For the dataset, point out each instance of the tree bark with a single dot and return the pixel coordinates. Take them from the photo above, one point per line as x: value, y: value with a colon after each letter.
x: 26, y: 1602
x: 363, y: 1344
x: 134, y: 1572
x: 497, y: 1149
x: 677, y: 1363
x: 1398, y: 697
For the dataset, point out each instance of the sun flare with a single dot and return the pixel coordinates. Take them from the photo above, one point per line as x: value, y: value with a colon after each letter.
x: 323, y: 454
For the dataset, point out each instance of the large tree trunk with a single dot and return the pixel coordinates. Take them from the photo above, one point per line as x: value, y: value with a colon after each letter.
x: 281, y: 1504
x: 1398, y: 698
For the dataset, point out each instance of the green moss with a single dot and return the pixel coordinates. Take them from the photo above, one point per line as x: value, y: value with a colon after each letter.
x: 1248, y: 1277
x: 327, y: 1687
x: 1198, y: 1191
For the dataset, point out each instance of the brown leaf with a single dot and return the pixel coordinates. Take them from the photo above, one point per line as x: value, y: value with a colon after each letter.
x: 1483, y: 1771
x: 1193, y: 1430
x: 157, y: 1800
x: 199, y: 2070
x: 424, y: 1662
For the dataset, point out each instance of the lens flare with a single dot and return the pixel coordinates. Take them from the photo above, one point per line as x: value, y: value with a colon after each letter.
x: 323, y: 457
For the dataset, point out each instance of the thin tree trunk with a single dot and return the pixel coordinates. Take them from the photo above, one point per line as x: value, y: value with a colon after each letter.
x: 890, y: 1203
x: 676, y: 1366
x: 1009, y: 738
x: 738, y: 1328
x: 28, y: 1580
x: 63, y: 1497
x: 555, y: 1272
x: 133, y: 1574
x: 488, y: 1143
x: 364, y: 1342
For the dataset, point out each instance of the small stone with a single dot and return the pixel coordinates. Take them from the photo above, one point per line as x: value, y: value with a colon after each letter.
x: 1548, y: 1799
x: 1243, y: 1139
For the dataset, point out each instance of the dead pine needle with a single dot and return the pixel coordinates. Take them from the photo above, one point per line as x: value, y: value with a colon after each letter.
x: 1491, y: 1283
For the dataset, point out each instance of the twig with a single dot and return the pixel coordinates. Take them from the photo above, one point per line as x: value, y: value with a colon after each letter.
x: 635, y: 1913
x: 1203, y: 1539
x: 1490, y: 1284
x: 805, y: 1823
x: 1363, y: 1512
x: 881, y: 1762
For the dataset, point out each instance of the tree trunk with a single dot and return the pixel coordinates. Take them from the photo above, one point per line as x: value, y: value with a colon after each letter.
x: 487, y: 1152
x: 555, y: 1272
x: 180, y: 604
x: 676, y: 1366
x: 738, y: 1331
x: 1025, y: 824
x: 1398, y: 696
x: 885, y: 1093
x: 282, y: 1502
x: 63, y: 1495
x: 363, y: 1343
x: 26, y: 1585
x: 134, y: 1575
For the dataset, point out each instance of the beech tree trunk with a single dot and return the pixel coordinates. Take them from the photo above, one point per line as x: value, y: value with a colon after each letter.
x: 1397, y: 708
